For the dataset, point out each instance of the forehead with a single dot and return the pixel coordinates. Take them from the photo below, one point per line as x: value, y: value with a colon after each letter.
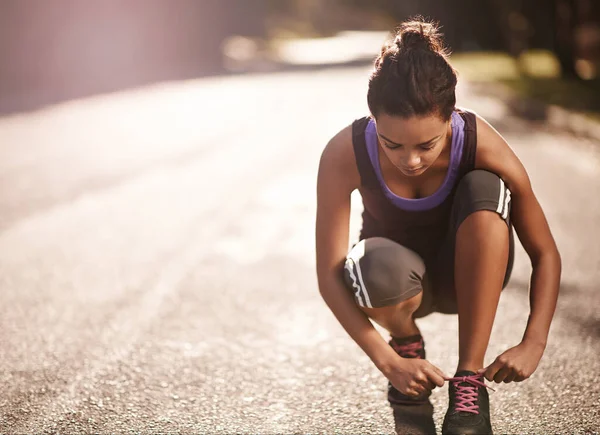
x: 409, y: 131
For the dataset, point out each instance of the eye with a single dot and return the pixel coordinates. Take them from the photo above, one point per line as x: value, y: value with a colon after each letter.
x: 430, y: 145
x: 391, y: 147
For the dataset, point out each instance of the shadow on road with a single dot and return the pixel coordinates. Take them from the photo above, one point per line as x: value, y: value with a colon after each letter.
x: 570, y: 298
x: 414, y: 419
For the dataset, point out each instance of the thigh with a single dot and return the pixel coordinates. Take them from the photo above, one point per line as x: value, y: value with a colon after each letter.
x: 479, y: 190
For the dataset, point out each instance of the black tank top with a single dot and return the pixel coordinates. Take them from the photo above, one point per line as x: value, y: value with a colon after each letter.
x: 423, y: 228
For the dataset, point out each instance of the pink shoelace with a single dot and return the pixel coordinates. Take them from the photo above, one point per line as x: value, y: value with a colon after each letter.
x: 466, y: 395
x: 410, y: 350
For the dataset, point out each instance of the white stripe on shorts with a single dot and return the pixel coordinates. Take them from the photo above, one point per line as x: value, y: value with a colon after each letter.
x: 501, y: 198
x: 355, y: 283
x: 506, y: 201
x: 362, y: 285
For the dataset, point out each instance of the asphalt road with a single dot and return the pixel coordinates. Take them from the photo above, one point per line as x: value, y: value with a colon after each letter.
x: 157, y: 269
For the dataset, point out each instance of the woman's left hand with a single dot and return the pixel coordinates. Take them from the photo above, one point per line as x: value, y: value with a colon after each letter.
x: 516, y: 364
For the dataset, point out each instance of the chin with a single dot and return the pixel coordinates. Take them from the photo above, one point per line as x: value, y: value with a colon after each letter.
x: 413, y: 173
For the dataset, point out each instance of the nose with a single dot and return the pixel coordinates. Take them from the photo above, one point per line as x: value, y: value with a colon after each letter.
x: 413, y: 161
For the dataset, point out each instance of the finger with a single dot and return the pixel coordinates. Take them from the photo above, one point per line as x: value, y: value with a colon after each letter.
x: 510, y: 378
x: 491, y: 371
x: 426, y: 383
x: 413, y: 392
x: 435, y: 379
x: 409, y: 392
x: 435, y: 375
x: 418, y: 388
x: 502, y: 374
x: 416, y: 393
x: 423, y: 379
x: 520, y: 378
x: 422, y: 392
x: 440, y: 373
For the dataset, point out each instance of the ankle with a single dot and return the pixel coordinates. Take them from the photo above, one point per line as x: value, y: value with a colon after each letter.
x: 404, y: 330
x: 472, y: 367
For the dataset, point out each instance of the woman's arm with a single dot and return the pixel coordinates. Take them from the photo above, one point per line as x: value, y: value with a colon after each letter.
x: 337, y: 178
x: 495, y: 155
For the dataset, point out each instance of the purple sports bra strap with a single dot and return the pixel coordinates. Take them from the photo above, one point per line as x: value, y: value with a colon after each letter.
x: 363, y: 161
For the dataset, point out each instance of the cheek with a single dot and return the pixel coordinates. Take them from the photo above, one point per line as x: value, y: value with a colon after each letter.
x: 431, y: 157
x: 394, y: 157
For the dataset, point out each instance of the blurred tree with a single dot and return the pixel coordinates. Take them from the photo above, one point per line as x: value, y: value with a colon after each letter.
x: 514, y: 26
x: 466, y: 24
x: 562, y: 26
x: 547, y: 24
x: 564, y: 20
x: 569, y: 28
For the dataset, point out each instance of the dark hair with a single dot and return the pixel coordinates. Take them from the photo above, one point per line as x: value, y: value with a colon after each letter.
x: 412, y: 75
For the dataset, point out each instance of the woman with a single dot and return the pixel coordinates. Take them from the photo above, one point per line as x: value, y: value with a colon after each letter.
x: 441, y: 191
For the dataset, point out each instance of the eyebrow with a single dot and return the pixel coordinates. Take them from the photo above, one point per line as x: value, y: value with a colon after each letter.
x: 419, y: 144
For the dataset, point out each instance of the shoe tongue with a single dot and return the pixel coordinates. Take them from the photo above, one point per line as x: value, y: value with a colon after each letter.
x: 462, y: 373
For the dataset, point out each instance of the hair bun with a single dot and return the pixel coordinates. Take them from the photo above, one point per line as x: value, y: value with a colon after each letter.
x: 412, y: 75
x: 419, y: 35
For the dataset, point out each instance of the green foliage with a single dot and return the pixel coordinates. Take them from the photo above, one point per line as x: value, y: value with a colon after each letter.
x: 536, y: 74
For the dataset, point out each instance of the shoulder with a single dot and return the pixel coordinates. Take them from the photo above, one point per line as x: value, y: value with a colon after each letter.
x: 489, y: 140
x: 339, y: 145
x: 491, y: 146
x: 338, y: 162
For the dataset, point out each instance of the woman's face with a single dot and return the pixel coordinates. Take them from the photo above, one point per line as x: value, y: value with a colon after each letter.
x: 412, y: 144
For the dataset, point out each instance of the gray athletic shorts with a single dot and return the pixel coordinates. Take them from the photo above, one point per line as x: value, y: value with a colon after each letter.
x: 380, y: 272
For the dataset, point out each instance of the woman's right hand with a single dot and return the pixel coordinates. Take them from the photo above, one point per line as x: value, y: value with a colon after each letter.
x: 413, y: 376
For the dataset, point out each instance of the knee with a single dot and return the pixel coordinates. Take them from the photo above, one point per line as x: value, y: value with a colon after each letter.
x: 382, y: 273
x: 481, y: 190
x: 478, y: 184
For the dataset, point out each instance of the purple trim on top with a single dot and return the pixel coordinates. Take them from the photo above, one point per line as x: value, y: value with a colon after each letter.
x: 429, y: 202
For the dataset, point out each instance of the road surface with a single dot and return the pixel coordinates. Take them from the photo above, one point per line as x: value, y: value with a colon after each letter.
x: 157, y: 268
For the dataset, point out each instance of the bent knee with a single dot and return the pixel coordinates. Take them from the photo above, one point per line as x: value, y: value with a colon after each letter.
x: 381, y: 273
x: 481, y: 190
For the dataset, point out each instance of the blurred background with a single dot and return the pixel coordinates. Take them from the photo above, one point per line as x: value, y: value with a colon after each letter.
x: 158, y: 163
x: 60, y: 49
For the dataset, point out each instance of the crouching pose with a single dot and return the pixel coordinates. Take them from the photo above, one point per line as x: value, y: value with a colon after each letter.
x: 441, y: 191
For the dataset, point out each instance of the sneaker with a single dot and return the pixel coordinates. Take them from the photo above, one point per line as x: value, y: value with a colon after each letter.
x: 469, y: 408
x: 409, y: 347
